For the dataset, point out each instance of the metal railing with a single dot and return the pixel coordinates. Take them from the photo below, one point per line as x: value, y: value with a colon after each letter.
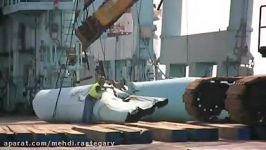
x: 261, y: 26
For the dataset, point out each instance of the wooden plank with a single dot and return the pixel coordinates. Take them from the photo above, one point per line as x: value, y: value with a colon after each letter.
x: 187, y: 126
x: 233, y: 131
x: 2, y: 130
x: 18, y: 129
x: 163, y: 133
x: 21, y: 134
x: 43, y: 129
x: 57, y: 126
x: 132, y: 135
x: 45, y: 133
x: 197, y: 132
x: 38, y: 135
x: 6, y: 136
x: 70, y: 135
x: 228, y: 131
x: 100, y: 134
x: 7, y: 130
x: 35, y: 130
x: 224, y: 125
x: 3, y: 137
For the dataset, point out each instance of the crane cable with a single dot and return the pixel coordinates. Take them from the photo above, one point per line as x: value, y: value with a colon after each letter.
x: 66, y: 65
x: 160, y: 5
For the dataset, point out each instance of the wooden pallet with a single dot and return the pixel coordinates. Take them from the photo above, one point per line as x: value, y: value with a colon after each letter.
x: 233, y: 131
x: 228, y: 131
x: 197, y: 132
x: 132, y: 135
x: 161, y: 132
x: 174, y: 132
x: 101, y: 134
x: 38, y: 133
x: 129, y: 133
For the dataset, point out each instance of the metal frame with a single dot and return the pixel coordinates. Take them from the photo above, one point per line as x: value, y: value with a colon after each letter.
x: 260, y: 26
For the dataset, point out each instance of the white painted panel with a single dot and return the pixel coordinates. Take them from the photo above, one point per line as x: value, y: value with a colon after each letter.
x: 207, y: 47
x: 124, y: 48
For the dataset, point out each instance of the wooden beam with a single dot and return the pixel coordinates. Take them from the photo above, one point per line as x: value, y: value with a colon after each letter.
x: 100, y: 134
x: 70, y: 135
x: 21, y: 134
x: 132, y: 135
x: 162, y: 132
x: 228, y: 131
x: 197, y: 132
x: 3, y: 137
x: 43, y: 133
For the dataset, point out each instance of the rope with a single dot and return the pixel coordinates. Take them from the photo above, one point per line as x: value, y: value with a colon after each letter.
x: 160, y: 5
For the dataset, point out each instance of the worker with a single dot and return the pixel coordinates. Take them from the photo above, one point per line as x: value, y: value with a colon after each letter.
x: 95, y: 93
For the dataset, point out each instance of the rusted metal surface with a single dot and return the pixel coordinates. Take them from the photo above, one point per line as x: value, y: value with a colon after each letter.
x: 204, y: 98
x: 89, y: 31
x: 246, y: 101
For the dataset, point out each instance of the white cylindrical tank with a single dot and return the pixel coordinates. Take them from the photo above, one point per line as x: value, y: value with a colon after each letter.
x: 173, y: 89
x: 111, y: 107
x: 69, y: 107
